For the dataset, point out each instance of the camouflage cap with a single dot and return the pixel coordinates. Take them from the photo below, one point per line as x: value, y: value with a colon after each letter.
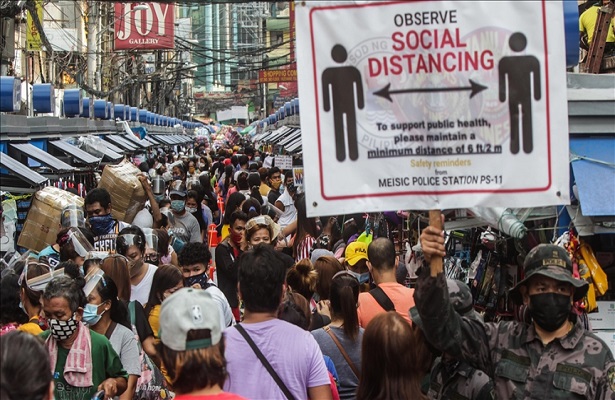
x: 551, y: 261
x: 460, y: 296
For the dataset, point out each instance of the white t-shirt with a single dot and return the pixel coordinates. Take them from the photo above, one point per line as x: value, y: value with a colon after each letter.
x: 226, y: 315
x: 140, y: 292
x: 290, y: 212
x: 143, y: 219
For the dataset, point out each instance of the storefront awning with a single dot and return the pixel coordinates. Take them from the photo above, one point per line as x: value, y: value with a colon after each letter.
x: 121, y: 142
x: 130, y: 138
x: 20, y: 171
x: 593, y: 165
x: 111, y: 154
x: 75, y: 152
x: 42, y: 157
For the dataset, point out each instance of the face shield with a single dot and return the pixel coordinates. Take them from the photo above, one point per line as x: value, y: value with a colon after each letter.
x: 151, y: 246
x: 123, y: 243
x: 38, y: 283
x: 72, y: 216
x: 91, y: 280
x: 81, y: 245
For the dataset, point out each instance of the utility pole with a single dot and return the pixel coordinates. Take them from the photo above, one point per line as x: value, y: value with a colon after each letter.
x: 92, y: 50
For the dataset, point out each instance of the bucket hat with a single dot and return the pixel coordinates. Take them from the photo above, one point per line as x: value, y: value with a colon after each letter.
x: 553, y: 262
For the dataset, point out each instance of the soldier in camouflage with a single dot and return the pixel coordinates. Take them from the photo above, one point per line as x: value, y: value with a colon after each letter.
x: 451, y: 378
x: 554, y: 357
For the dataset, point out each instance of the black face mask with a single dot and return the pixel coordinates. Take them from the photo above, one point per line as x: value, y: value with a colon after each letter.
x: 200, y: 279
x: 550, y: 310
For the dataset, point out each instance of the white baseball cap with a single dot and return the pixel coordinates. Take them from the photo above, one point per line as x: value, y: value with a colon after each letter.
x: 189, y: 309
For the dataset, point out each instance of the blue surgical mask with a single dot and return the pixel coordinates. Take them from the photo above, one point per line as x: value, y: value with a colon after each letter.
x: 159, y: 197
x: 178, y: 205
x: 362, y: 278
x: 90, y: 314
x: 102, y: 224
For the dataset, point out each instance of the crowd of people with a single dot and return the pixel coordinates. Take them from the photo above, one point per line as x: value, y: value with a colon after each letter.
x: 285, y: 306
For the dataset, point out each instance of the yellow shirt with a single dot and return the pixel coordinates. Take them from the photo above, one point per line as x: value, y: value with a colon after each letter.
x: 226, y: 230
x: 31, y: 327
x: 264, y: 189
x: 587, y: 24
x: 154, y: 321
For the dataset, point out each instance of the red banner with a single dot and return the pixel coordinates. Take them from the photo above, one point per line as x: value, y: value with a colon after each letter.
x: 143, y: 28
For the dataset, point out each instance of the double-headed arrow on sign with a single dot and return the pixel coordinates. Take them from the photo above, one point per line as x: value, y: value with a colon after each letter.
x: 474, y: 89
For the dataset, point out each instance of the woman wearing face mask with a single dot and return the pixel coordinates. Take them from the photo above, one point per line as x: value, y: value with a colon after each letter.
x: 82, y: 361
x: 179, y: 173
x: 107, y: 315
x: 343, y: 334
x: 260, y: 229
x: 227, y: 253
x: 193, y: 206
x: 131, y: 244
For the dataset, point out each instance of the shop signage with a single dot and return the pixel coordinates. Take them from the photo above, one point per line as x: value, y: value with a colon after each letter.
x: 277, y: 75
x: 432, y: 104
x: 149, y: 29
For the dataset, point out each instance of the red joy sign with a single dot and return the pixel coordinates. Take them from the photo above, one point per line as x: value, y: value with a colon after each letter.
x: 143, y: 28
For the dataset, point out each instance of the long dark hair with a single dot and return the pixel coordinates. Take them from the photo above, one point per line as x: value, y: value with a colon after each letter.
x: 163, y: 242
x: 166, y: 277
x: 107, y: 290
x: 398, y: 359
x: 344, y: 298
x: 232, y: 204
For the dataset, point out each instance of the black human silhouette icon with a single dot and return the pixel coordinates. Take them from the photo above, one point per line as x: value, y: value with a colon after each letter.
x: 520, y: 72
x: 338, y: 87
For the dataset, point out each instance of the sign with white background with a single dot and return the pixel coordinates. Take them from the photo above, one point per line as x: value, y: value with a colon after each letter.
x: 439, y: 104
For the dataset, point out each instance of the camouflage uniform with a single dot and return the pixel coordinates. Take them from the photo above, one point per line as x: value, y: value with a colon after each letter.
x: 453, y: 379
x: 464, y: 382
x: 578, y: 365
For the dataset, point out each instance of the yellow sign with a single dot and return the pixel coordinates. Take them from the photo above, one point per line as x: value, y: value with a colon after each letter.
x: 33, y: 38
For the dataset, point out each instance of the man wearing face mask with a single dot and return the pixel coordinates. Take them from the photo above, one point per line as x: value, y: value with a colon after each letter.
x: 186, y: 226
x: 356, y: 261
x: 274, y: 177
x: 103, y: 225
x: 193, y: 261
x: 553, y: 357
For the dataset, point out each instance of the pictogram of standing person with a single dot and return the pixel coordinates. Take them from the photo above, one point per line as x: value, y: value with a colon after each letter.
x: 339, y: 91
x: 522, y: 73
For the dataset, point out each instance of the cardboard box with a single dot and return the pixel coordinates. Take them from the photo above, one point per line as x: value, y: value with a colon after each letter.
x: 43, y: 220
x: 127, y: 194
x: 604, y: 319
x: 608, y: 337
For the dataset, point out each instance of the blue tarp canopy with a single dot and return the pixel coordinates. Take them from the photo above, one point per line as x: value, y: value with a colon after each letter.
x: 593, y: 166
